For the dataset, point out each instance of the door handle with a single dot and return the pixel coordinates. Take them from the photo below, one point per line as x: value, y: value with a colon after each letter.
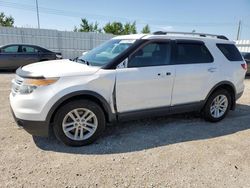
x: 212, y: 69
x: 163, y: 74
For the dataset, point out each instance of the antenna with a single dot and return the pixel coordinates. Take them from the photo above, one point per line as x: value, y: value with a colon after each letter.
x: 37, y: 12
x: 238, y: 31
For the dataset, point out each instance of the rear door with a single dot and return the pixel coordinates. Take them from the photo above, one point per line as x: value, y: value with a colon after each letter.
x: 195, y: 72
x: 147, y: 80
x: 28, y: 54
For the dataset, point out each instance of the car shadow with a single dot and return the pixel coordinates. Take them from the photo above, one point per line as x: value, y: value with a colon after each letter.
x: 150, y: 133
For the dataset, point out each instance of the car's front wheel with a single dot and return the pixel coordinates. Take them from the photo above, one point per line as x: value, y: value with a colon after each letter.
x: 79, y: 122
x: 217, y: 106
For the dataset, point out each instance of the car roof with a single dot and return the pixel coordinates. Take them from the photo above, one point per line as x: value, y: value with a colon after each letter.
x: 212, y: 38
x: 15, y: 44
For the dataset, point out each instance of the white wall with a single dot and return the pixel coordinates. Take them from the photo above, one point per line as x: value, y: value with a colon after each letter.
x: 70, y: 44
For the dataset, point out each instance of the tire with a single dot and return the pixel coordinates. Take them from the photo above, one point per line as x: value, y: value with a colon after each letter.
x: 66, y: 119
x: 211, y: 111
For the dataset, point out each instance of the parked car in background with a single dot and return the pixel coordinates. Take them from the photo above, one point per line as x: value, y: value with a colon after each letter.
x: 59, y: 55
x: 246, y: 56
x: 13, y: 56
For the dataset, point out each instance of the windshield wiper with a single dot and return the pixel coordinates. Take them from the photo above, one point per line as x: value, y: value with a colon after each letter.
x: 75, y: 59
x: 84, y: 61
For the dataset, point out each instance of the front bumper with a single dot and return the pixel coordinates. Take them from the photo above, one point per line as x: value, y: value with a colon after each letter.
x: 35, y: 128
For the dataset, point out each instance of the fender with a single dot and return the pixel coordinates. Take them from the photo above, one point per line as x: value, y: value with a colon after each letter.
x: 111, y: 117
x: 218, y: 86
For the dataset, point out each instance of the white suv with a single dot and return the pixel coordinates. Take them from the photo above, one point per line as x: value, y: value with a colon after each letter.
x: 128, y: 77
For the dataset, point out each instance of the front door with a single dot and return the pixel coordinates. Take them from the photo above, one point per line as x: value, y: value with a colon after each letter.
x: 147, y: 80
x: 9, y: 57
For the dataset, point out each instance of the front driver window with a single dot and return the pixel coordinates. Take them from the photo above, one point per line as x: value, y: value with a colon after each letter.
x: 153, y: 54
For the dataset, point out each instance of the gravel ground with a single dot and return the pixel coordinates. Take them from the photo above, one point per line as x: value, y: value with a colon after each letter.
x: 177, y: 151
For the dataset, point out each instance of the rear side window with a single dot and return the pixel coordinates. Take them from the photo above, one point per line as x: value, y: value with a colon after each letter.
x: 29, y: 49
x: 189, y: 53
x: 230, y: 52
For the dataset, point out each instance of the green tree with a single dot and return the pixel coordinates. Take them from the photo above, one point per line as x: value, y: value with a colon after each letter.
x: 85, y: 26
x: 130, y: 28
x: 115, y: 28
x: 6, y: 21
x: 146, y: 29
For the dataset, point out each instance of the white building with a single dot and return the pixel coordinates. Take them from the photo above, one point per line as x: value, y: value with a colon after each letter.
x: 243, y: 45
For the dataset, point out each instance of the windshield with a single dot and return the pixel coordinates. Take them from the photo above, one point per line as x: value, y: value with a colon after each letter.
x: 105, y: 53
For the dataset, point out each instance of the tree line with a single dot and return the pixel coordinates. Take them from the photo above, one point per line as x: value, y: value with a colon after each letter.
x: 115, y: 28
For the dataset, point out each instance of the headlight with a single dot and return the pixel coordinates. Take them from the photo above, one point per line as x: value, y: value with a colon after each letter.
x: 40, y: 82
x: 29, y: 85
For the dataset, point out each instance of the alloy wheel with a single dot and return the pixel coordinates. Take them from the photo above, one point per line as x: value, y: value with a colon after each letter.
x: 219, y: 106
x: 79, y: 124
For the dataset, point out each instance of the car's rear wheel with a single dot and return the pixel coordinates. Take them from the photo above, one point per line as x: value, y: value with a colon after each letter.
x: 79, y: 122
x: 217, y: 106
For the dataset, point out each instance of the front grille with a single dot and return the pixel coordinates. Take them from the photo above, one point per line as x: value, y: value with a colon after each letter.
x: 16, y: 84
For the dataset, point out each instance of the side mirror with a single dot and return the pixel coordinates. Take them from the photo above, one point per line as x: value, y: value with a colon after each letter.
x: 0, y: 50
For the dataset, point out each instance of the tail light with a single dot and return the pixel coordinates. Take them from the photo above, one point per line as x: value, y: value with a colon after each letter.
x: 244, y: 66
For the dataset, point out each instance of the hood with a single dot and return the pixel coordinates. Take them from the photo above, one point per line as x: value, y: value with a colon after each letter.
x: 59, y: 68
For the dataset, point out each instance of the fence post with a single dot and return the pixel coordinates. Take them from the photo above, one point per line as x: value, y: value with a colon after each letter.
x: 91, y: 41
x: 22, y: 35
x: 59, y: 41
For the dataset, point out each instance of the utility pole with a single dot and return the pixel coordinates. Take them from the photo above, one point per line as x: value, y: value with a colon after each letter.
x: 37, y: 12
x: 238, y: 32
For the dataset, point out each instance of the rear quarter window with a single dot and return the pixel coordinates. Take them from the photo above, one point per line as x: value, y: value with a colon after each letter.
x: 190, y: 53
x: 230, y: 51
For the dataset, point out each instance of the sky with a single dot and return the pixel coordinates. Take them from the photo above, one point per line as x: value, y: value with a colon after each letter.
x: 207, y: 16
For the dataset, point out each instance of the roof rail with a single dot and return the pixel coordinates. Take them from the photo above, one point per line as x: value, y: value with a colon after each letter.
x: 190, y: 33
